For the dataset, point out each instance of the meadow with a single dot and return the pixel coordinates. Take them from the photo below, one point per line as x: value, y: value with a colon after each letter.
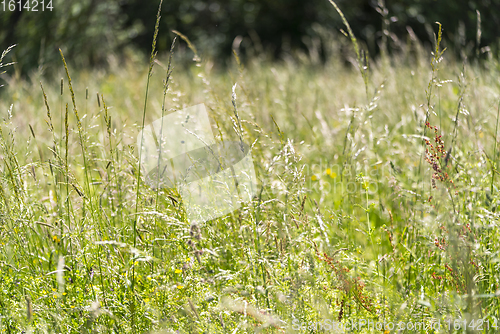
x: 377, y: 196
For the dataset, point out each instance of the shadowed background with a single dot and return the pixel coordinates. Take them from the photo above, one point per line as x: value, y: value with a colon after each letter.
x: 89, y: 31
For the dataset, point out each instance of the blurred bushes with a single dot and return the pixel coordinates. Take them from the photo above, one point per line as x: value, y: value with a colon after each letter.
x: 86, y: 30
x: 89, y: 30
x: 282, y: 25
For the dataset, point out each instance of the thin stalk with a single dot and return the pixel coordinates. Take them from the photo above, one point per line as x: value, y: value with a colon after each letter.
x: 165, y: 89
x: 150, y: 72
x: 495, y: 152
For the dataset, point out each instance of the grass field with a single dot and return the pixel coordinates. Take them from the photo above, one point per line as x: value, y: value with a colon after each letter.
x: 377, y: 198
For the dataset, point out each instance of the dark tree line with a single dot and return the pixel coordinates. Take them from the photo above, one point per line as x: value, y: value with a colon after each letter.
x: 89, y: 30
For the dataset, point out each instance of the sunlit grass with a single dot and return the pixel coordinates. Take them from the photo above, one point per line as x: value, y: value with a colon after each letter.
x: 346, y: 225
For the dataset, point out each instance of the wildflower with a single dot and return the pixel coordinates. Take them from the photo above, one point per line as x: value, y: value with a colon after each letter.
x: 180, y: 287
x: 437, y: 277
x: 314, y: 177
x: 434, y: 154
x: 328, y: 171
x: 178, y: 271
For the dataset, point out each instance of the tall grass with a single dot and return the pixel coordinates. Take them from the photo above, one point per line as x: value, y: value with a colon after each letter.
x: 356, y: 216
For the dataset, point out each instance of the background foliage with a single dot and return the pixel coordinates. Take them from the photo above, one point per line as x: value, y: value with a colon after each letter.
x: 89, y: 30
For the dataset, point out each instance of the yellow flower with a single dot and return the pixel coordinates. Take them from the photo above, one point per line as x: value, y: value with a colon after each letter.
x: 314, y: 177
x: 481, y: 134
x: 178, y: 271
x: 333, y: 175
x: 180, y: 286
x: 188, y: 259
x: 328, y: 171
